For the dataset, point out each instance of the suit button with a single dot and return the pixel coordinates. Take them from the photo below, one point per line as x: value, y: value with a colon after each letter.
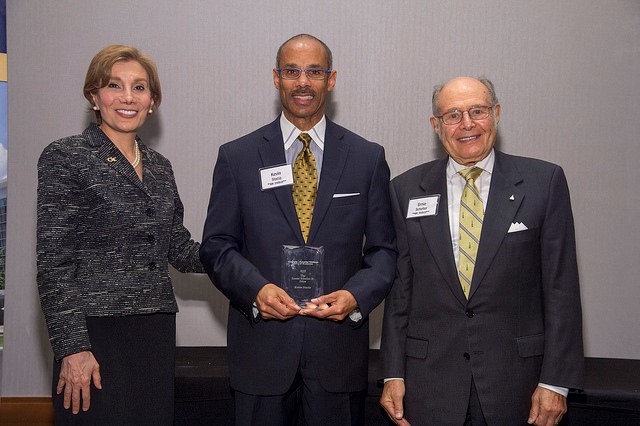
x: 466, y: 356
x: 151, y: 238
x: 469, y: 313
x: 152, y: 266
x: 151, y: 212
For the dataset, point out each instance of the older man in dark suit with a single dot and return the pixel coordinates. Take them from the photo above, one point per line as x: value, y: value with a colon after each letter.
x: 483, y: 323
x: 301, y: 181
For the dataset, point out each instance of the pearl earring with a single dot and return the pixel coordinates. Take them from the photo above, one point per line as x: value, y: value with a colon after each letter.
x: 95, y: 108
x: 150, y: 111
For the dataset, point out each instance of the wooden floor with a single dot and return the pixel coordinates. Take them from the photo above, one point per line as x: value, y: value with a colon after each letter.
x: 26, y: 411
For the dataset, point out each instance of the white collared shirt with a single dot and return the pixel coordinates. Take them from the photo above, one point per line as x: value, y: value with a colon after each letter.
x: 292, y: 146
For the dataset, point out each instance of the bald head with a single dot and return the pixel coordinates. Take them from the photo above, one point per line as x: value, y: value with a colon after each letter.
x: 305, y: 37
x: 490, y: 90
x: 465, y: 116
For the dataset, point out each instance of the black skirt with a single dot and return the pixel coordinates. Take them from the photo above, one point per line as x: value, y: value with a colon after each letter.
x: 137, y: 365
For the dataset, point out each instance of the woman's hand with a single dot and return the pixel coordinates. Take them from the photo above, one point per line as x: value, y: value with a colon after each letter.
x: 76, y: 374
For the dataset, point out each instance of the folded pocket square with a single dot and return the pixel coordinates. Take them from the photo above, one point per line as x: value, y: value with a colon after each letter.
x: 517, y: 226
x: 349, y: 194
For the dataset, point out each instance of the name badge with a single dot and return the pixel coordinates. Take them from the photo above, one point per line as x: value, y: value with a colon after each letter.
x: 275, y: 177
x: 423, y: 206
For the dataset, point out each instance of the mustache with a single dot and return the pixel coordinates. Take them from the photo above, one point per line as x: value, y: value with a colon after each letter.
x: 305, y: 91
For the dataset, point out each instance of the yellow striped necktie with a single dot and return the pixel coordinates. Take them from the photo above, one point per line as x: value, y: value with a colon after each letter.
x: 305, y: 181
x: 471, y: 218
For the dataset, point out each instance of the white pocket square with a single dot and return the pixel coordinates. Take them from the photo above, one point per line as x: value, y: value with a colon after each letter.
x: 348, y: 194
x: 517, y: 226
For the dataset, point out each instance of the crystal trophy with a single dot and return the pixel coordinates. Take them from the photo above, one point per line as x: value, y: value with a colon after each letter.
x: 302, y: 272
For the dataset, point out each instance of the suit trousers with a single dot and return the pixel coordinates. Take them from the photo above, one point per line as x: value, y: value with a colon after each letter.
x: 136, y: 354
x: 305, y: 403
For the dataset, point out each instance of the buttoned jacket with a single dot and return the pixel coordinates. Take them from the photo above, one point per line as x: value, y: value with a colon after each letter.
x: 245, y: 231
x: 104, y: 237
x: 521, y: 324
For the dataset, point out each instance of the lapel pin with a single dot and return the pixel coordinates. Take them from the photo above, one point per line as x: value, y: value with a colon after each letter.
x: 111, y: 159
x: 512, y: 198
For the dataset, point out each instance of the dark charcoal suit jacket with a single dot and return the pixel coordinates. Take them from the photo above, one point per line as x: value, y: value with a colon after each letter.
x: 522, y: 322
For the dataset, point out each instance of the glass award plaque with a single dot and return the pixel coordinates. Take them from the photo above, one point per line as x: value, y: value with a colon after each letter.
x: 302, y: 272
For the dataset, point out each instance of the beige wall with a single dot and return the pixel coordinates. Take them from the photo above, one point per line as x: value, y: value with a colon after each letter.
x: 566, y: 73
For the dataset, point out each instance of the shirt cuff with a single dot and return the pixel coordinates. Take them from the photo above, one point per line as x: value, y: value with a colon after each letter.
x: 388, y: 379
x: 557, y: 389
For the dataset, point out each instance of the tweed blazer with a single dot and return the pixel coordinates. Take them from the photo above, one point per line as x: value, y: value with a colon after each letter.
x: 104, y: 237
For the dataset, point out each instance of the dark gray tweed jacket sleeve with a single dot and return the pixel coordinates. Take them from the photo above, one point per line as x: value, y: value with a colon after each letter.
x: 104, y: 238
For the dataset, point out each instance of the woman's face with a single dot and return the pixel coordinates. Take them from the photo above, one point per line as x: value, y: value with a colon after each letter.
x: 125, y: 101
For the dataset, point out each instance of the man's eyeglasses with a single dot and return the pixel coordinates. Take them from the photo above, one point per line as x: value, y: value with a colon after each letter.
x: 475, y: 113
x: 295, y: 73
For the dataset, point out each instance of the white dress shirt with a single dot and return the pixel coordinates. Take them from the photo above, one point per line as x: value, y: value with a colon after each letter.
x: 292, y: 146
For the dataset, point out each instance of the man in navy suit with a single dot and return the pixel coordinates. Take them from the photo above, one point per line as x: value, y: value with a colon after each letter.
x: 498, y: 341
x: 282, y: 356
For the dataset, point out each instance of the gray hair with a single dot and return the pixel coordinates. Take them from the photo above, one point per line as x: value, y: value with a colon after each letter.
x: 493, y: 99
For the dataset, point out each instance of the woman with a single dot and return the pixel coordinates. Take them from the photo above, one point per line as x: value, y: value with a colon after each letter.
x: 109, y: 223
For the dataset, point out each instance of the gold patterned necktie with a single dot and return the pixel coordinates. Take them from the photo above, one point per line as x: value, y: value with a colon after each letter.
x: 471, y: 218
x: 305, y: 180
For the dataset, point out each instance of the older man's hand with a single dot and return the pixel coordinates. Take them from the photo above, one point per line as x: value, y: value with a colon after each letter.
x: 547, y: 407
x: 391, y: 400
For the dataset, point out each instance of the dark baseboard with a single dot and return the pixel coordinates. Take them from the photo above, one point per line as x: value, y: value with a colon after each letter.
x: 203, y: 395
x: 26, y: 411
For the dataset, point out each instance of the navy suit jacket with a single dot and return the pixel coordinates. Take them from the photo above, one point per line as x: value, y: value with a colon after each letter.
x: 241, y: 250
x: 522, y: 322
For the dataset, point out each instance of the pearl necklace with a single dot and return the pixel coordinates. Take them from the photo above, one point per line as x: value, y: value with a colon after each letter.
x: 136, y: 161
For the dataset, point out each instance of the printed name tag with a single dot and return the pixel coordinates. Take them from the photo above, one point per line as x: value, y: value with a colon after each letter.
x: 275, y: 177
x: 423, y: 206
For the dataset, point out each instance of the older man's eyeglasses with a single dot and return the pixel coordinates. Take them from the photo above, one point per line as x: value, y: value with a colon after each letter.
x: 475, y: 113
x: 295, y: 73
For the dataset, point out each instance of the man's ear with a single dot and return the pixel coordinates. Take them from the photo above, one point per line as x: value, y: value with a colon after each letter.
x: 435, y: 124
x: 331, y: 81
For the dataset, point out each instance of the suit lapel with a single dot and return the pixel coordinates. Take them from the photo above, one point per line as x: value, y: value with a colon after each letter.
x: 436, y: 228
x: 150, y: 173
x: 112, y: 156
x: 272, y: 154
x: 503, y: 203
x: 333, y: 162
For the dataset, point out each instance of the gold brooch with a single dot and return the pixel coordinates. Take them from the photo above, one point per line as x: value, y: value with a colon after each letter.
x: 111, y: 159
